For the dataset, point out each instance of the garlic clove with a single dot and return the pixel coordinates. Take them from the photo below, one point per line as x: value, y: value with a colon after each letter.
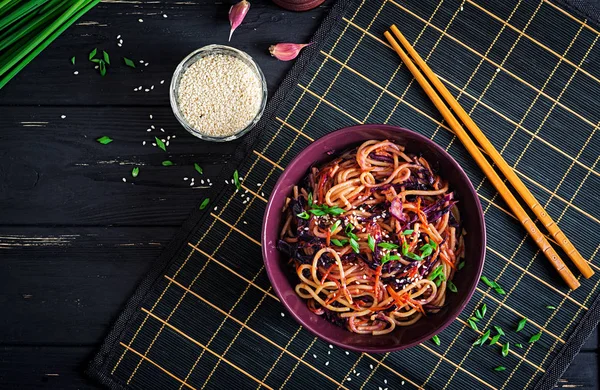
x: 287, y: 51
x: 237, y: 13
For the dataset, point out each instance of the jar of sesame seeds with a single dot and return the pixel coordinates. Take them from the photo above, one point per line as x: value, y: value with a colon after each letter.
x: 218, y: 93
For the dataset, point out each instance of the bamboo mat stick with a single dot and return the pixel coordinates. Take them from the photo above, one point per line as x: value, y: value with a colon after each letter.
x: 497, y: 158
x: 485, y: 166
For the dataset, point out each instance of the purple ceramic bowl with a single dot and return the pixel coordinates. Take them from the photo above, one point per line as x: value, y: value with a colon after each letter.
x: 283, y: 280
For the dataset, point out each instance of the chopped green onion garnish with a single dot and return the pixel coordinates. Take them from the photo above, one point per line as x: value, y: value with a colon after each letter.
x: 129, y: 62
x: 483, y: 338
x: 475, y: 319
x: 337, y: 242
x: 236, y: 180
x: 472, y: 324
x: 519, y: 345
x: 167, y: 163
x: 521, y: 324
x: 407, y: 232
x: 303, y: 215
x: 354, y: 245
x: 495, y: 339
x: 500, y: 368
x: 485, y: 280
x: 310, y: 199
x: 371, y: 242
x: 198, y: 168
x: 505, y: 349
x: 102, y: 66
x: 92, y: 54
x: 483, y: 309
x: 160, y: 144
x: 335, y: 225
x: 204, y: 203
x: 436, y: 340
x: 551, y: 307
x: 387, y: 245
x: 478, y: 314
x: 461, y: 265
x: 73, y: 60
x: 451, y: 286
x: 436, y: 272
x: 427, y: 249
x: 135, y: 172
x: 106, y: 57
x: 104, y: 140
x: 535, y: 337
x: 499, y: 330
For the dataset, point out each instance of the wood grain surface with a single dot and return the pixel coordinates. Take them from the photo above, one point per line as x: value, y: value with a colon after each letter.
x: 74, y: 238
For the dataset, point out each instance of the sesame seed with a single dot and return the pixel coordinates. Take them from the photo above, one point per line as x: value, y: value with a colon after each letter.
x: 76, y: 73
x: 215, y: 209
x: 402, y: 383
x: 358, y: 374
x: 258, y: 184
x: 164, y: 15
x: 152, y: 87
x: 327, y: 363
x: 150, y: 116
x: 330, y: 346
x: 262, y: 194
x: 349, y: 379
x: 173, y: 137
x: 282, y: 314
x: 201, y: 181
x: 163, y: 130
x: 141, y: 20
x: 152, y: 127
x: 497, y: 70
x: 245, y: 223
x: 135, y: 89
x: 119, y: 44
x: 153, y: 144
x: 146, y: 90
x: 118, y: 36
x: 146, y: 64
x: 385, y: 381
x: 124, y: 180
x: 328, y: 352
x: 143, y: 142
x: 371, y: 366
x: 315, y: 356
x: 191, y: 184
x: 347, y: 353
x: 185, y: 178
x: 63, y: 116
x: 167, y: 143
x: 226, y: 182
x: 162, y: 81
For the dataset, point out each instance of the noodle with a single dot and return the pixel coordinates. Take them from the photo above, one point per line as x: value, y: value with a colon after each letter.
x: 374, y: 237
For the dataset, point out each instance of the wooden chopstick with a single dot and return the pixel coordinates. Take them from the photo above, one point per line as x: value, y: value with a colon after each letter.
x: 485, y: 166
x: 506, y: 170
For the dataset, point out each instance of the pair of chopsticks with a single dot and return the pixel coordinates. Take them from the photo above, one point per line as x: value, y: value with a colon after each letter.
x: 489, y: 171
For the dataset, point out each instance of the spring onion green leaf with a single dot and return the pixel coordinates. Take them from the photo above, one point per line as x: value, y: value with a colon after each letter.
x: 485, y: 280
x: 478, y: 314
x: 461, y: 265
x: 451, y: 286
x: 436, y: 340
x: 500, y: 368
x: 135, y: 172
x: 387, y: 257
x: 317, y: 212
x: 354, y: 245
x: 167, y: 163
x: 500, y: 291
x: 474, y: 319
x: 414, y: 256
x: 521, y: 324
x: 335, y: 225
x: 404, y: 248
x: 198, y: 168
x: 204, y: 203
x: 551, y: 307
x: 519, y: 345
x: 104, y: 140
x: 535, y: 337
x: 387, y: 245
x: 472, y: 324
x: 483, y: 309
x: 505, y: 349
x: 407, y: 232
x: 337, y: 242
x: 160, y: 144
x: 102, y: 68
x: 106, y: 57
x: 73, y: 60
x: 303, y: 215
x: 436, y: 272
x: 129, y: 62
x: 499, y: 330
x: 371, y: 242
x: 481, y: 340
x: 92, y: 54
x: 236, y: 180
x: 427, y: 249
x: 495, y: 339
x: 310, y: 199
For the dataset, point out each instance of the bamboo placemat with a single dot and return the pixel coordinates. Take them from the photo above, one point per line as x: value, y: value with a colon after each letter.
x: 527, y: 71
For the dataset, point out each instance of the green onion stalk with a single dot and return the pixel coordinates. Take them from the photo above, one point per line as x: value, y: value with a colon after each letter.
x: 27, y: 28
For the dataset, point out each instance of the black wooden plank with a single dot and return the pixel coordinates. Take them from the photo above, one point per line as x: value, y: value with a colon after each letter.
x: 65, y: 286
x: 54, y: 172
x: 162, y: 42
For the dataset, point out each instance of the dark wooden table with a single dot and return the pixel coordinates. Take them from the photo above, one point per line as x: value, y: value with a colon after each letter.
x: 74, y: 238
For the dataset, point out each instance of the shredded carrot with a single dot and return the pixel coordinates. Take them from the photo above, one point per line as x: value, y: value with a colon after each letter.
x: 326, y: 276
x: 377, y: 276
x: 328, y: 238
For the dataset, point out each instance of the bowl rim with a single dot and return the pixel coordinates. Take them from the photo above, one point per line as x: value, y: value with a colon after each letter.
x: 469, y: 188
